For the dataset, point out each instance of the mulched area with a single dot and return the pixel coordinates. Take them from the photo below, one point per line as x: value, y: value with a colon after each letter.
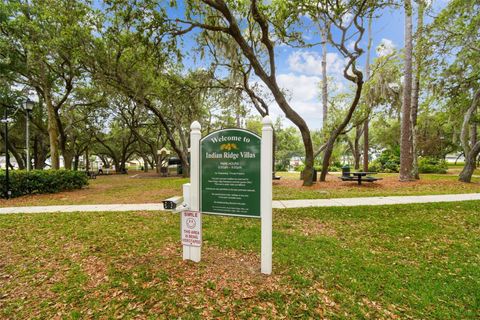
x: 387, y: 182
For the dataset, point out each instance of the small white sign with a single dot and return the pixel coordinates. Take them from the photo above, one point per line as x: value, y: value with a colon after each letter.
x: 191, y: 228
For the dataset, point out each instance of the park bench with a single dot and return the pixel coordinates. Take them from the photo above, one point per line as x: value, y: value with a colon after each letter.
x: 358, y: 177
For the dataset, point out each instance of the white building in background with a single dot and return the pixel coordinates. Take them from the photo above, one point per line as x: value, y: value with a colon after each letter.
x: 455, y: 157
x: 3, y: 160
x: 294, y: 163
x: 48, y: 163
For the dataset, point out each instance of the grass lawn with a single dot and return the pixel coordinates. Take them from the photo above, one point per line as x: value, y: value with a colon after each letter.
x: 408, y: 261
x: 149, y: 188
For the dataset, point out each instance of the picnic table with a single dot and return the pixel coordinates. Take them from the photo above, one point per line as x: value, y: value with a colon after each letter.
x: 358, y: 176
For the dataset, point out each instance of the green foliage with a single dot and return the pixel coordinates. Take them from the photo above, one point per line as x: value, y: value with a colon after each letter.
x: 432, y: 165
x: 288, y: 144
x: 336, y: 166
x: 300, y: 168
x: 389, y: 161
x: 42, y: 181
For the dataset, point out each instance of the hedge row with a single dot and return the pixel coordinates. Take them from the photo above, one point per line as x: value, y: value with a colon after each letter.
x: 41, y: 181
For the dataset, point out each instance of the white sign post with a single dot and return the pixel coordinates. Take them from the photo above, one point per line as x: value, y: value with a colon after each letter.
x: 191, y: 220
x: 266, y: 195
x: 191, y: 252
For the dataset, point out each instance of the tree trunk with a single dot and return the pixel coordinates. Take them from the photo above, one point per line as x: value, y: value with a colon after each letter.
x: 366, y: 145
x: 473, y: 132
x: 274, y: 149
x: 184, y: 144
x: 324, y: 31
x: 470, y: 150
x: 406, y: 148
x: 87, y: 161
x: 52, y: 133
x: 75, y: 163
x: 39, y: 153
x: 123, y: 165
x: 268, y: 77
x: 293, y: 116
x: 17, y: 156
x: 52, y: 126
x: 145, y: 164
x: 181, y: 152
x: 116, y: 163
x: 14, y: 152
x: 416, y: 85
x: 67, y: 159
x: 354, y: 149
x: 357, y: 152
x: 470, y: 164
x: 335, y: 133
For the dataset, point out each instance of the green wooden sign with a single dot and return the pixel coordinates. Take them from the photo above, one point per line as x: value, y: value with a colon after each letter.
x: 230, y: 173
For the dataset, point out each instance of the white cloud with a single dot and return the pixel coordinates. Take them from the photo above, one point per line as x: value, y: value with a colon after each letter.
x: 299, y: 87
x: 302, y: 84
x: 310, y: 62
x: 302, y: 93
x: 385, y: 47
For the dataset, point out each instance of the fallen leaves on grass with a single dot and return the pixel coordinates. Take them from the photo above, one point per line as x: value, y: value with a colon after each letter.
x: 307, y: 227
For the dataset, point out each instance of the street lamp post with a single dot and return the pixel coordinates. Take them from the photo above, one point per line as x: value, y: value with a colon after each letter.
x: 6, y: 120
x: 28, y: 108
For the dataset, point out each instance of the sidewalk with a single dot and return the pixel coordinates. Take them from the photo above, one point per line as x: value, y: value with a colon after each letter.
x: 277, y: 204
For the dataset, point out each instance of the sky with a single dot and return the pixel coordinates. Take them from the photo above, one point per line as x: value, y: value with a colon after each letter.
x: 299, y: 70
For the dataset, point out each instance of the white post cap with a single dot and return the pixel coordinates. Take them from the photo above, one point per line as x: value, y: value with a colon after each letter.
x: 267, y: 121
x: 195, y: 126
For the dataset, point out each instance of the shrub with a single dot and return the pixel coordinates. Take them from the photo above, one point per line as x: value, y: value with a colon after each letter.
x: 300, y: 168
x: 375, y: 166
x: 281, y: 166
x: 336, y: 166
x: 42, y: 181
x: 389, y: 161
x: 432, y: 165
x: 333, y: 168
